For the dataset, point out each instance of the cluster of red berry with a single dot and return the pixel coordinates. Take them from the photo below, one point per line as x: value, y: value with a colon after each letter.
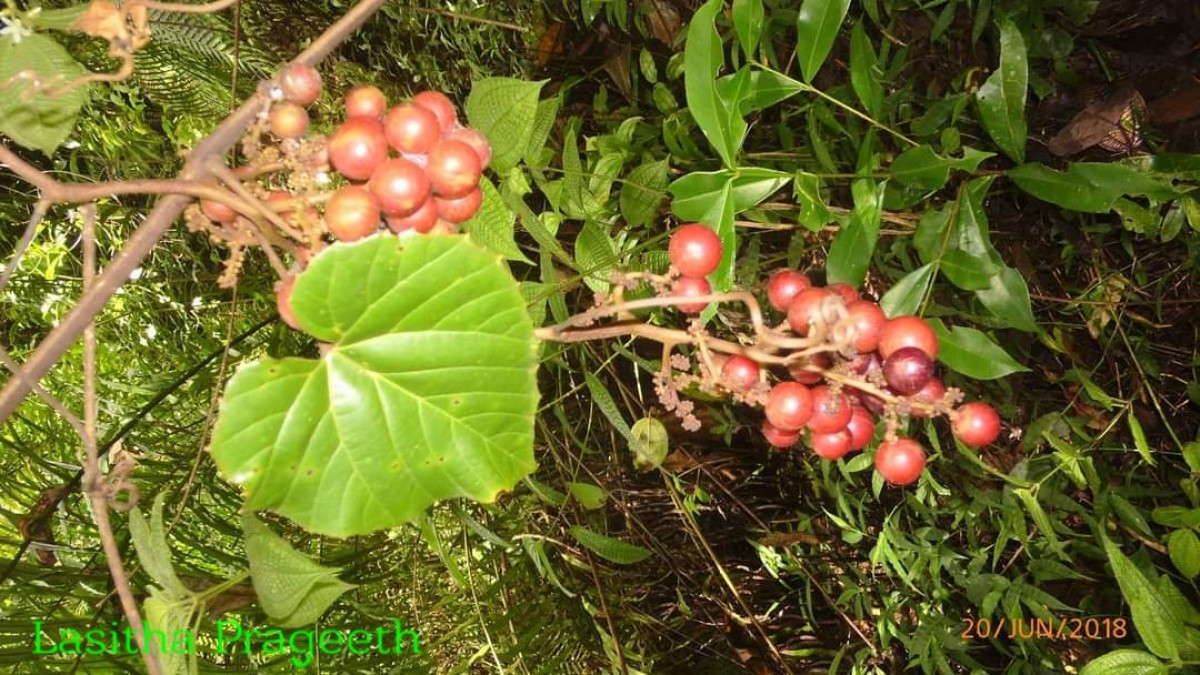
x: 863, y: 366
x: 421, y: 166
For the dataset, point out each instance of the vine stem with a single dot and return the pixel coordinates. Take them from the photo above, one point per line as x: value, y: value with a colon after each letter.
x: 158, y: 221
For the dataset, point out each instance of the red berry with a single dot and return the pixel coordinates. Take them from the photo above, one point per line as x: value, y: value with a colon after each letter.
x: 931, y: 393
x: 846, y: 291
x: 778, y: 437
x: 288, y: 120
x: 907, y: 331
x: 830, y: 446
x: 867, y: 319
x: 695, y: 250
x: 352, y: 213
x: 411, y: 129
x: 283, y: 301
x: 789, y: 406
x: 358, y: 147
x: 366, y: 100
x: 976, y: 424
x: 301, y: 84
x: 459, y: 210
x: 901, y: 461
x: 218, y: 211
x: 740, y: 373
x: 453, y: 168
x: 830, y: 413
x: 400, y: 186
x: 907, y: 370
x: 691, y: 287
x: 477, y: 142
x: 806, y: 309
x: 783, y: 285
x: 422, y: 221
x: 441, y: 106
x: 861, y: 428
x: 802, y: 375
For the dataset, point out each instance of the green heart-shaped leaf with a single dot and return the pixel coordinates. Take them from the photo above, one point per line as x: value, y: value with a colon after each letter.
x: 427, y: 391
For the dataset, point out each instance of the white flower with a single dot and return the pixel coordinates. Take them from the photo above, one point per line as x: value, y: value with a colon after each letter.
x: 14, y: 28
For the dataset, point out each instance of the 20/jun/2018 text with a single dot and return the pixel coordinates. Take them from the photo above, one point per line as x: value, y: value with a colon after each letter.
x: 1064, y: 628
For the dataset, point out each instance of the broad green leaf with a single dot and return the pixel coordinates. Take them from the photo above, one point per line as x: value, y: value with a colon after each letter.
x: 973, y: 353
x: 814, y: 213
x: 1002, y: 96
x: 1125, y: 662
x: 921, y: 167
x: 492, y: 227
x: 543, y: 124
x: 1184, y: 548
x: 153, y: 552
x: 426, y: 391
x: 852, y: 249
x: 817, y: 25
x: 595, y: 253
x: 748, y: 23
x: 864, y: 75
x: 171, y: 617
x: 1034, y: 509
x: 703, y: 57
x: 643, y: 192
x: 1155, y: 620
x: 1139, y: 437
x: 1191, y: 455
x: 292, y: 589
x: 764, y: 89
x: 1008, y: 299
x: 649, y: 442
x: 613, y: 550
x: 590, y: 497
x: 1089, y: 187
x: 905, y: 297
x: 505, y: 110
x: 29, y: 117
x: 697, y: 195
x: 604, y: 400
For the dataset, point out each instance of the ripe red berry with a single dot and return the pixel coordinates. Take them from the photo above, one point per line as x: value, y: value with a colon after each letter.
x: 901, y: 461
x: 848, y: 293
x: 861, y: 428
x: 691, y: 287
x: 806, y: 309
x: 423, y: 220
x: 907, y: 370
x: 366, y: 100
x: 931, y: 393
x: 830, y: 446
x: 907, y: 331
x: 783, y: 285
x: 400, y: 186
x: 441, y: 106
x: 288, y: 120
x: 358, y: 147
x: 867, y: 319
x: 453, y: 168
x: 789, y: 406
x: 740, y: 373
x: 976, y: 424
x: 283, y: 301
x: 459, y: 210
x: 477, y: 142
x: 778, y: 437
x: 801, y: 374
x: 301, y: 84
x: 830, y: 412
x: 411, y: 129
x: 695, y: 250
x: 352, y: 213
x: 217, y: 211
